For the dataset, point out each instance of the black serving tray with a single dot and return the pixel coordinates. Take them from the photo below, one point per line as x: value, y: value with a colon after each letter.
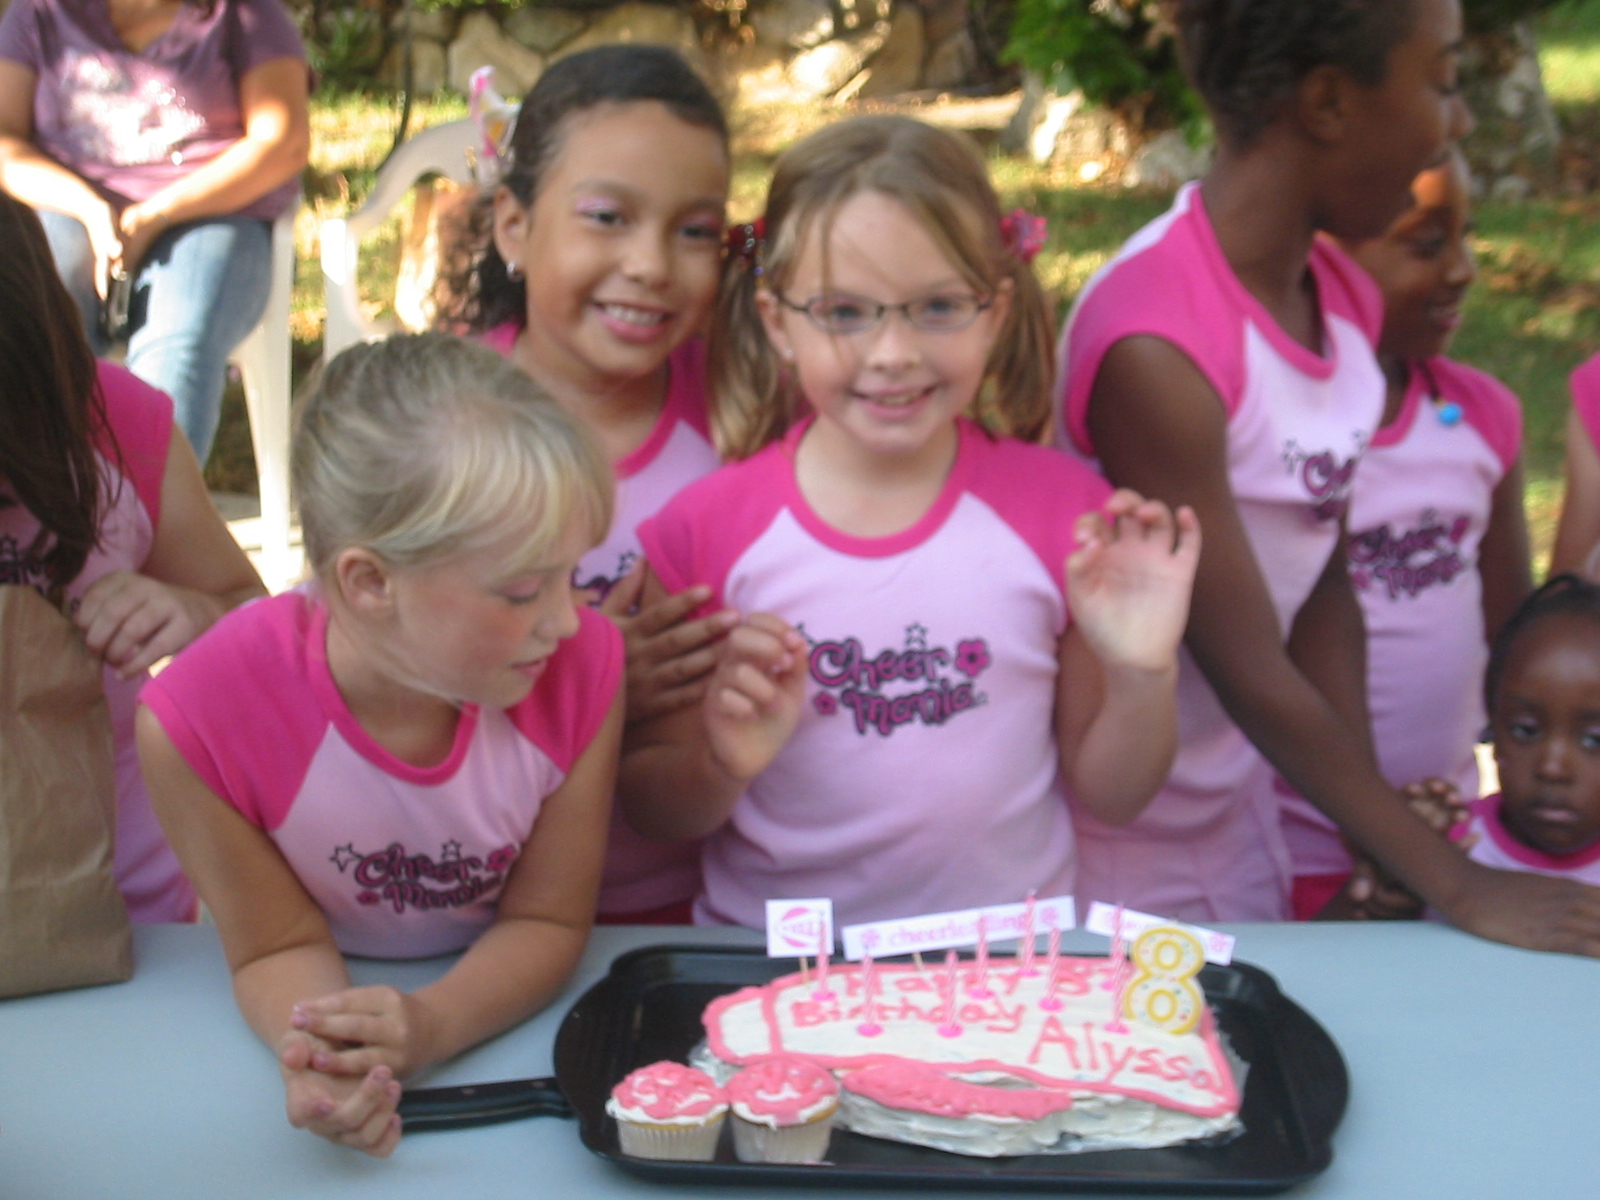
x: 649, y: 1006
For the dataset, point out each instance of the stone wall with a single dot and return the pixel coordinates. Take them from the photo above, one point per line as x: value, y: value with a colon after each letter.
x: 780, y: 49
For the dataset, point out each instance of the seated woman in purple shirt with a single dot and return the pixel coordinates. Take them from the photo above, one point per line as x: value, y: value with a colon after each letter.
x: 158, y: 138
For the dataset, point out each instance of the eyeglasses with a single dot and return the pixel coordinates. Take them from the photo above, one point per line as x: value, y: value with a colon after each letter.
x: 841, y: 313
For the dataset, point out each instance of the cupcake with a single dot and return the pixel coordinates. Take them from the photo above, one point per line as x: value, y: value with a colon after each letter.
x: 783, y: 1108
x: 668, y: 1110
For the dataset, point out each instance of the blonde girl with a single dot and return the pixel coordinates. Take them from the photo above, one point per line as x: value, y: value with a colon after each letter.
x: 946, y: 630
x: 414, y: 754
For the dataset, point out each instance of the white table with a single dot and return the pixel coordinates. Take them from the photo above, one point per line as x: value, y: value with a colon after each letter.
x: 1475, y: 1072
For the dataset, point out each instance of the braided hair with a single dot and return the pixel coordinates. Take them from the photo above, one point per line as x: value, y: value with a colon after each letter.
x: 1565, y: 595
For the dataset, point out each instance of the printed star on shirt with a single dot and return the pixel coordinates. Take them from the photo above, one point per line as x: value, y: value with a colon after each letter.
x: 451, y: 851
x: 344, y: 856
x: 916, y: 636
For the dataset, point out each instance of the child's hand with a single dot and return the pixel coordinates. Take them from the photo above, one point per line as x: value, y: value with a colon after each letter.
x: 1130, y: 579
x: 1372, y: 894
x: 754, y: 698
x: 360, y: 1029
x: 131, y: 621
x: 358, y: 1111
x: 669, y: 658
x: 1440, y: 805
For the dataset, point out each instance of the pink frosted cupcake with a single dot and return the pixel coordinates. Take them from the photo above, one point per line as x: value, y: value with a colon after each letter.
x: 783, y: 1108
x: 668, y: 1110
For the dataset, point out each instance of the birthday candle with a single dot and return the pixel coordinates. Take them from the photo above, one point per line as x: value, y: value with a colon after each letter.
x: 1026, y: 966
x: 805, y: 972
x: 979, y: 988
x: 869, y: 1026
x: 952, y: 983
x: 1113, y: 981
x: 823, y: 992
x: 1052, y: 962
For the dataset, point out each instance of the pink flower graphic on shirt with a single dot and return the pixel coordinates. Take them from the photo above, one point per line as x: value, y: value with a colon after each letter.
x: 501, y: 859
x: 825, y: 703
x: 972, y: 657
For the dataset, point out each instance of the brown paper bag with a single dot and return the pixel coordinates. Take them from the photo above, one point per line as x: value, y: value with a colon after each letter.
x: 62, y: 920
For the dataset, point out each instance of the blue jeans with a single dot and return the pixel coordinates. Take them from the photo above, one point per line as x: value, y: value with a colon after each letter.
x: 201, y: 288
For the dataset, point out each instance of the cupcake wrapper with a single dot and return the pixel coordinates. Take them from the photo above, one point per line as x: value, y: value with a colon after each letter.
x: 806, y: 1143
x: 682, y: 1143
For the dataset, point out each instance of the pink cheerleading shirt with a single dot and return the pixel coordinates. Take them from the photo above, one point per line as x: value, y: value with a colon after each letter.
x: 1210, y: 847
x: 642, y: 875
x: 404, y: 861
x: 1421, y: 506
x: 140, y: 417
x: 1497, y: 847
x: 923, y: 774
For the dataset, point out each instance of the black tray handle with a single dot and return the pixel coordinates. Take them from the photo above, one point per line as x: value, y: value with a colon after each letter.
x: 462, y: 1107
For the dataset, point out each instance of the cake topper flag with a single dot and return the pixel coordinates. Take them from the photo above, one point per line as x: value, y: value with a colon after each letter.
x: 941, y: 931
x: 1103, y: 920
x: 799, y: 927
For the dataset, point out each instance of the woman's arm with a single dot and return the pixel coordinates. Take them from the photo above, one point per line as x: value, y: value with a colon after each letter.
x: 194, y: 574
x: 1159, y: 427
x: 1503, y: 554
x: 1579, y: 529
x: 277, y: 944
x: 41, y: 182
x: 274, y: 149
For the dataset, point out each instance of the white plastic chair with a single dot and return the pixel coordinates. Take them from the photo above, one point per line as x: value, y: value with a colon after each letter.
x: 263, y: 361
x: 441, y: 150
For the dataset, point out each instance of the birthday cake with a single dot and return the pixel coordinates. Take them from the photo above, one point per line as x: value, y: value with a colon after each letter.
x: 1088, y: 1055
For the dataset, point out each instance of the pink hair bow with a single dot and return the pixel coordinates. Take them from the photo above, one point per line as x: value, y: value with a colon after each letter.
x: 1023, y: 233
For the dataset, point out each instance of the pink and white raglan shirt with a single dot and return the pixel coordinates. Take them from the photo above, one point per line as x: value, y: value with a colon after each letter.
x: 404, y: 861
x: 1421, y: 505
x: 1209, y: 847
x: 641, y: 875
x: 1496, y: 847
x: 140, y: 417
x: 923, y: 773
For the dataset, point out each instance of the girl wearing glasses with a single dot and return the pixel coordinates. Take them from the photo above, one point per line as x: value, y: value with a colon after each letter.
x: 946, y: 630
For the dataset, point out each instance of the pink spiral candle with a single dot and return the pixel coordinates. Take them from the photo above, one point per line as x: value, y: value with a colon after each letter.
x: 1025, y: 966
x: 1052, y: 958
x: 823, y: 992
x: 978, y: 989
x: 952, y: 985
x: 869, y: 1026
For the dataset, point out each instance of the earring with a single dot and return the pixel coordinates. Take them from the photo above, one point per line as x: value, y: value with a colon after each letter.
x: 513, y: 272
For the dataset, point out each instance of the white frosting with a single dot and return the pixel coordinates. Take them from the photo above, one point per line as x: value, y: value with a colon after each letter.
x: 1134, y: 1085
x: 638, y: 1116
x: 806, y: 1115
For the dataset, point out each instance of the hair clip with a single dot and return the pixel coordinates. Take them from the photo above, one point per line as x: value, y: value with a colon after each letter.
x: 1023, y: 233
x: 745, y: 241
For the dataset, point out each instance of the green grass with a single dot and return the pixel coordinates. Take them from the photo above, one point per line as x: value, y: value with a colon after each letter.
x: 1533, y: 316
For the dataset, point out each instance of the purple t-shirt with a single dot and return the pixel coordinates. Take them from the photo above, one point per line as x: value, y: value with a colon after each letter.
x: 133, y: 123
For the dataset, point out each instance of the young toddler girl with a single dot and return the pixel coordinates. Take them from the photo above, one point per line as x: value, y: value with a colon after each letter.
x: 102, y: 506
x: 414, y: 754
x: 1225, y: 360
x: 1542, y: 689
x: 915, y: 685
x: 1438, y: 543
x: 596, y: 278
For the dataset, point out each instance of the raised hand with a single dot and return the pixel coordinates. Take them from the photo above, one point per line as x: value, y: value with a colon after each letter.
x: 1129, y: 580
x: 669, y: 657
x: 754, y: 698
